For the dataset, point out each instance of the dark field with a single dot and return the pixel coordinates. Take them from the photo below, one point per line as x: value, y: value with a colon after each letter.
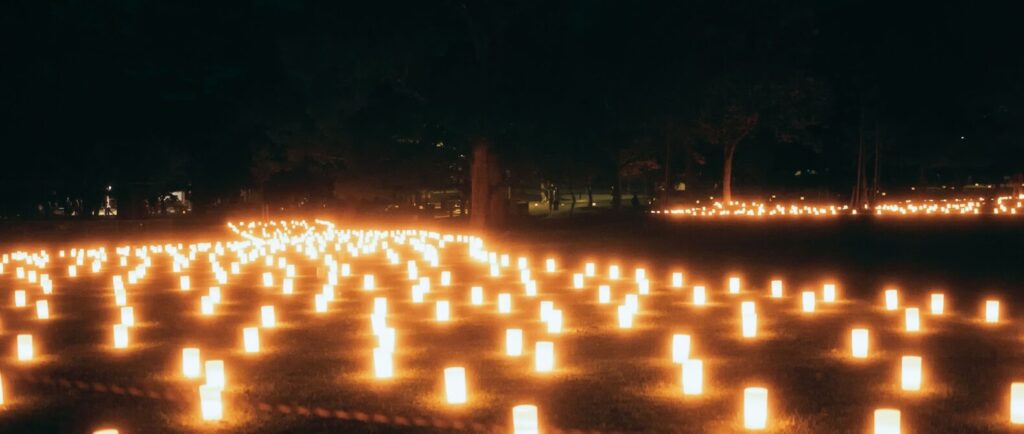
x: 606, y: 379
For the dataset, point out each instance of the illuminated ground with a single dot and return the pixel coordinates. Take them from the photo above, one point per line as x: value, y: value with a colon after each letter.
x: 606, y: 378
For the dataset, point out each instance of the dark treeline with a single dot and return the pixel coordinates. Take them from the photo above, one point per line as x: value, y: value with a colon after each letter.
x: 307, y: 102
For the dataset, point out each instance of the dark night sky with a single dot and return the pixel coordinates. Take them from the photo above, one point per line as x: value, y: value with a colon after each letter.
x: 188, y: 92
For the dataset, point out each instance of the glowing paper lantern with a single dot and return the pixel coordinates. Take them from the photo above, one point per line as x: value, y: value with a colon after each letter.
x: 320, y: 303
x: 589, y: 269
x: 441, y: 311
x: 693, y: 377
x: 476, y: 295
x: 214, y: 294
x: 251, y: 339
x: 859, y: 343
x: 545, y: 356
x: 912, y: 319
x: 613, y: 272
x: 1017, y: 403
x: 1, y: 390
x: 887, y: 421
x: 514, y: 342
x: 210, y: 403
x: 455, y: 385
x: 120, y: 336
x: 829, y: 293
x: 105, y: 431
x: 288, y: 286
x: 755, y: 408
x: 120, y: 297
x: 677, y: 280
x: 531, y: 288
x: 72, y: 271
x: 185, y: 284
x: 808, y: 301
x: 776, y: 289
x: 700, y: 297
x: 25, y: 350
x: 643, y: 286
x: 911, y: 373
x: 577, y: 280
x: 215, y: 373
x: 382, y: 363
x: 368, y: 282
x: 549, y: 265
x: 190, y: 363
x: 42, y: 309
x: 504, y: 303
x: 680, y: 348
x: 446, y: 278
x: 19, y: 298
x: 734, y: 285
x: 524, y: 420
x: 992, y: 311
x: 892, y: 301
x: 267, y: 317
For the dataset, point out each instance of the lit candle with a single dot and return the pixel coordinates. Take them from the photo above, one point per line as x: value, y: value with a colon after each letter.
x: 524, y: 420
x: 677, y: 280
x: 251, y: 338
x: 545, y: 356
x: 859, y: 343
x: 808, y: 301
x: 514, y: 342
x: 625, y: 315
x: 120, y: 336
x: 750, y: 325
x: 25, y: 350
x: 734, y: 285
x: 938, y: 304
x: 42, y: 309
x: 699, y: 296
x: 829, y: 293
x: 693, y: 377
x: 680, y: 348
x: 755, y: 408
x: 504, y: 303
x: 887, y: 421
x: 912, y: 319
x: 991, y: 311
x: 1017, y: 403
x: 776, y: 289
x: 455, y: 384
x: 441, y: 311
x: 267, y: 317
x: 210, y: 403
x: 215, y: 373
x: 190, y: 363
x: 911, y: 373
x: 892, y: 301
x: 382, y: 364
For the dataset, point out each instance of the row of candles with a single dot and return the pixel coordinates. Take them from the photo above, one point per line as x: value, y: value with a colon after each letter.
x: 755, y: 398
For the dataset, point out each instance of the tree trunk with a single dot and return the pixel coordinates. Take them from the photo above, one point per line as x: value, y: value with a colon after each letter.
x: 487, y: 198
x: 730, y: 150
